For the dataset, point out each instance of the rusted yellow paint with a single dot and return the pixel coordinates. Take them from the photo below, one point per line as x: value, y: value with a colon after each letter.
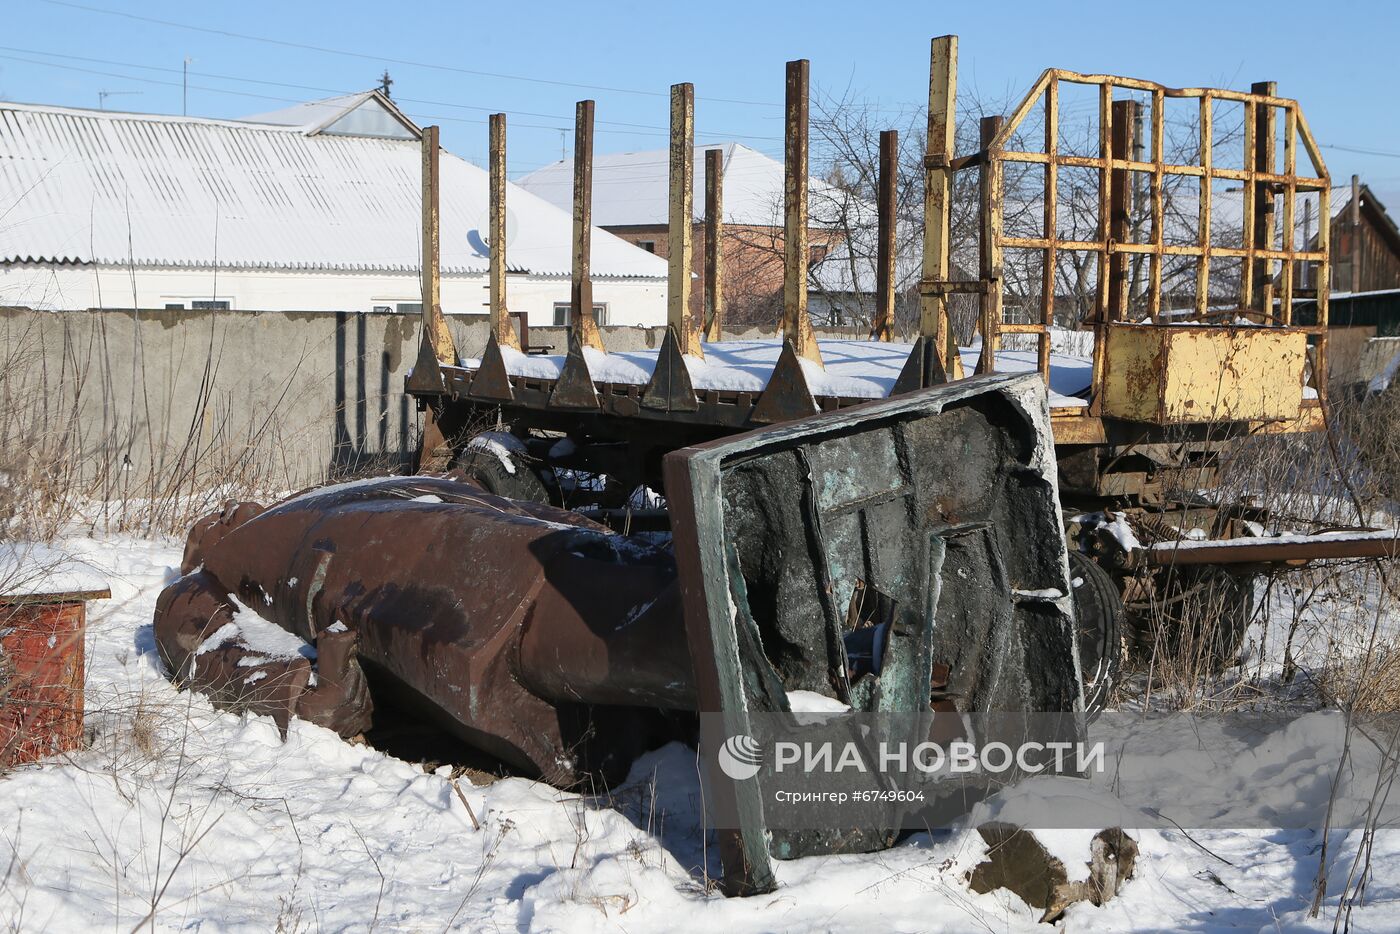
x: 1195, y: 374
x: 1078, y: 427
x: 681, y: 219
x: 938, y: 193
x: 434, y: 324
x: 581, y: 320
x: 797, y: 325
x: 500, y: 317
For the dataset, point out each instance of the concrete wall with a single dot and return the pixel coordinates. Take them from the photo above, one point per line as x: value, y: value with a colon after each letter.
x: 289, y: 398
x: 633, y: 302
x: 1345, y: 346
x: 268, y: 399
x: 1375, y: 360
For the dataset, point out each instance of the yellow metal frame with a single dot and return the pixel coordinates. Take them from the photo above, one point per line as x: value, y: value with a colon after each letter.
x: 1260, y: 179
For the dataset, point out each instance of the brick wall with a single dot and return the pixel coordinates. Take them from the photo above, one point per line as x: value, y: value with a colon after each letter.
x: 753, y: 264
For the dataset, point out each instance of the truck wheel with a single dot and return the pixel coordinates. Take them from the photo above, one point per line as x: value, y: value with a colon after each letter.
x: 1198, y: 617
x: 1098, y: 612
x: 487, y: 469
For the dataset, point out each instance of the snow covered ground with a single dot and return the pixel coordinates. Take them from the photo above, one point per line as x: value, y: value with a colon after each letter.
x: 205, y: 821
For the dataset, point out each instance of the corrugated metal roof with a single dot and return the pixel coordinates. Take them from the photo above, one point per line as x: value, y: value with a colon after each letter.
x: 632, y: 188
x: 311, y: 114
x: 106, y: 187
x: 368, y: 113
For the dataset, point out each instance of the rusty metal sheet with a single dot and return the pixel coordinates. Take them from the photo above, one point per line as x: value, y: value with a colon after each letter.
x: 1288, y: 549
x: 529, y: 632
x: 574, y: 389
x: 787, y: 395
x: 670, y: 388
x: 41, y: 679
x: 491, y: 381
x: 1193, y: 374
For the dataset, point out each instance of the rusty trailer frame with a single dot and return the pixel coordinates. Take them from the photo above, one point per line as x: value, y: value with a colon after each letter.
x: 1190, y: 382
x: 1262, y: 178
x: 934, y: 358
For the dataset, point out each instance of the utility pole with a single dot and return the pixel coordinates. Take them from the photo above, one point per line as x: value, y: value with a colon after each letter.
x: 185, y: 87
x: 385, y: 82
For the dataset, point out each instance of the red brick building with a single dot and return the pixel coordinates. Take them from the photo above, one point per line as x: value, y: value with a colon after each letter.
x: 630, y: 200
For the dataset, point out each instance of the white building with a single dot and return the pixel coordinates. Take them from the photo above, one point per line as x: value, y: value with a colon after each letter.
x: 313, y: 208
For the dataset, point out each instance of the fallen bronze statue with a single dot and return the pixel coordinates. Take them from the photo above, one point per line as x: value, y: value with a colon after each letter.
x: 898, y: 556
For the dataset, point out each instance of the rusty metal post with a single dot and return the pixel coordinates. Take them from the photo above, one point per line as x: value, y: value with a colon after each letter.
x: 581, y: 321
x: 1050, y: 223
x: 1120, y: 207
x: 797, y: 326
x: 1322, y: 285
x: 500, y: 317
x: 1159, y: 228
x: 435, y: 332
x: 1100, y: 314
x: 681, y: 215
x: 1203, y: 214
x: 938, y: 196
x: 882, y: 328
x: 714, y: 251
x: 1288, y: 269
x: 1264, y: 159
x: 989, y: 250
x: 1354, y: 222
x: 1305, y: 280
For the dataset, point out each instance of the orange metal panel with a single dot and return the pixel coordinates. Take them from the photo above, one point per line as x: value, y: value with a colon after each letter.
x: 41, y: 680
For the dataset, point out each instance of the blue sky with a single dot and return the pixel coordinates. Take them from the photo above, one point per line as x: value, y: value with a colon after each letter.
x: 1340, y: 64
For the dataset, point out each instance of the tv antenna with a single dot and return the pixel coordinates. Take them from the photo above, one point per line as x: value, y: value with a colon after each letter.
x: 103, y: 95
x: 185, y: 86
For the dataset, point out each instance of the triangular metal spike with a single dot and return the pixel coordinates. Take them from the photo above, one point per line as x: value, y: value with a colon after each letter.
x: 670, y: 389
x: 574, y: 388
x: 491, y: 380
x: 427, y: 375
x: 787, y: 395
x: 923, y: 368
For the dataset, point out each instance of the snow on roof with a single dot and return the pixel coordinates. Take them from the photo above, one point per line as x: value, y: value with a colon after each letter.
x: 81, y: 186
x: 632, y: 188
x: 368, y: 113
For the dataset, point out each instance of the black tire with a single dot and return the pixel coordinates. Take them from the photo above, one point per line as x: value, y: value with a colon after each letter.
x: 1098, y: 612
x: 487, y: 471
x: 1200, y: 615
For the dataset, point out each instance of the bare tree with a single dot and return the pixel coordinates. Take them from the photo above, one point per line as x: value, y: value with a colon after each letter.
x: 845, y: 147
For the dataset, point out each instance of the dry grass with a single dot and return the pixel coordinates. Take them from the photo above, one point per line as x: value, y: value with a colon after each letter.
x: 1327, y: 623
x: 1372, y: 688
x: 80, y: 449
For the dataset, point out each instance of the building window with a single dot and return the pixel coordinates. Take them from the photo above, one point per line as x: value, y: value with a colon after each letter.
x: 220, y: 305
x: 388, y: 306
x: 648, y: 245
x: 174, y: 306
x: 561, y: 313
